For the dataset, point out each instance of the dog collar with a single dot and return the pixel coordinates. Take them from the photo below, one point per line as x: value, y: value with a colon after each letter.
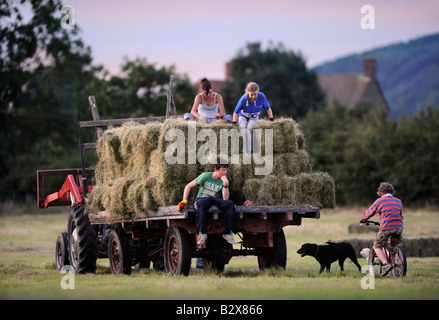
x: 315, y: 254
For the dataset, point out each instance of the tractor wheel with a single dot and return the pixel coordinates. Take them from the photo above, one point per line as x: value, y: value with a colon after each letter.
x: 277, y: 256
x: 61, y: 252
x: 178, y: 251
x: 82, y: 241
x: 119, y: 253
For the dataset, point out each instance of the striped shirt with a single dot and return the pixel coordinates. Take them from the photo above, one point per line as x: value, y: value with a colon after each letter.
x: 390, y: 210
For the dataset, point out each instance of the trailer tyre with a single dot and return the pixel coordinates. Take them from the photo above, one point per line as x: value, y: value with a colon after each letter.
x: 82, y: 241
x: 277, y: 256
x: 119, y: 253
x: 61, y: 252
x: 178, y: 251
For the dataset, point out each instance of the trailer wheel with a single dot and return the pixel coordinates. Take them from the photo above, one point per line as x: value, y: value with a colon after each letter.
x: 119, y: 253
x: 82, y: 241
x: 178, y: 251
x: 274, y: 257
x: 61, y: 252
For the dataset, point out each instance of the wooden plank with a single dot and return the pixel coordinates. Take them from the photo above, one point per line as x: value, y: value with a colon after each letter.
x: 170, y: 105
x: 95, y: 114
x: 267, y: 209
x: 171, y: 212
x: 90, y: 145
x: 57, y: 172
x: 118, y: 122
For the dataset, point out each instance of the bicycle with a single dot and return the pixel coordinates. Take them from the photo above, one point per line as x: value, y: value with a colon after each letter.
x: 395, y: 254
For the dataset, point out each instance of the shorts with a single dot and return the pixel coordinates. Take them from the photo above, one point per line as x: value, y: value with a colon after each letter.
x: 383, y: 236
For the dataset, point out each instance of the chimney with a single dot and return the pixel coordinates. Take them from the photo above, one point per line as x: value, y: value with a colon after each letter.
x: 228, y: 71
x: 370, y: 67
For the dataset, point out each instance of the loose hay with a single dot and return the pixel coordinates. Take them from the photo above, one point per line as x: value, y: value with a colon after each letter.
x: 134, y: 176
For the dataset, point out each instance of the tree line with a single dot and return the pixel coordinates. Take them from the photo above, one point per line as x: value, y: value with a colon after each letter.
x: 47, y: 74
x: 362, y: 147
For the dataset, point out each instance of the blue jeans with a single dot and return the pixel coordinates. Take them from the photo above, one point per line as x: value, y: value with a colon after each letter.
x: 226, y: 206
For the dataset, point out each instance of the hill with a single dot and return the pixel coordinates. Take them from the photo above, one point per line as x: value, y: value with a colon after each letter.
x: 408, y: 72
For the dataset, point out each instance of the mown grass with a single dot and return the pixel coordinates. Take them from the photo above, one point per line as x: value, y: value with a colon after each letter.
x: 27, y: 269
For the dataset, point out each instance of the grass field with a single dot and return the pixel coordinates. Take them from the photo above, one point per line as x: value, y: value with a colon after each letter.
x: 27, y: 268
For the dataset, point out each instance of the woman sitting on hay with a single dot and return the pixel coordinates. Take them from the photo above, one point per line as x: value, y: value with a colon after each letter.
x: 206, y: 105
x: 249, y: 110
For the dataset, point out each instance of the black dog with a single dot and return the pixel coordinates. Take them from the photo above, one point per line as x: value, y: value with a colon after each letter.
x: 327, y: 254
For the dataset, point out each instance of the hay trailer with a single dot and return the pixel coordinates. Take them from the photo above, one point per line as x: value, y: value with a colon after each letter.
x: 166, y: 238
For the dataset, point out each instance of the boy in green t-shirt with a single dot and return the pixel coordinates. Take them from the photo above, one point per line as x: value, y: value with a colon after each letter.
x: 210, y: 184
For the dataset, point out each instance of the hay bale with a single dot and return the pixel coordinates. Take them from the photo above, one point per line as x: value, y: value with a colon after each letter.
x: 413, y: 247
x: 355, y: 227
x: 291, y: 164
x: 136, y: 144
x: 285, y: 138
x: 270, y: 190
x: 115, y: 203
x: 140, y: 196
x: 111, y: 164
x: 357, y: 244
x: 138, y: 168
x: 95, y: 199
x: 315, y: 189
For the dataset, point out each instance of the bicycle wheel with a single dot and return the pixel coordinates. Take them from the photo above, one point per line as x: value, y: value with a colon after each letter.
x: 399, y: 258
x: 374, y: 263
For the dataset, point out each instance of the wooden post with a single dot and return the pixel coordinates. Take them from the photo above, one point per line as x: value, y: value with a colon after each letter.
x: 170, y: 106
x: 95, y: 114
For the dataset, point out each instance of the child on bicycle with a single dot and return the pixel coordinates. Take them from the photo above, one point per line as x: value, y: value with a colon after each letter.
x: 391, y: 221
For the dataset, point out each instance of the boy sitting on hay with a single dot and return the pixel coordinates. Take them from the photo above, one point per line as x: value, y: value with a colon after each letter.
x: 210, y: 184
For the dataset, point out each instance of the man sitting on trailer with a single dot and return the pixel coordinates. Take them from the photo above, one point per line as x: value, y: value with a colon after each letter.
x: 210, y: 185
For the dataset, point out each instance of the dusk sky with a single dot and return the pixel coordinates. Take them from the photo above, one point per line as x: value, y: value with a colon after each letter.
x: 199, y: 37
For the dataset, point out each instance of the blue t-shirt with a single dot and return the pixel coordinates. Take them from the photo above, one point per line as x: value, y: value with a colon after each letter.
x: 253, y: 109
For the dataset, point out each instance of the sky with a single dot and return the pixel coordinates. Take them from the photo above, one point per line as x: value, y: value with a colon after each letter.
x: 199, y: 37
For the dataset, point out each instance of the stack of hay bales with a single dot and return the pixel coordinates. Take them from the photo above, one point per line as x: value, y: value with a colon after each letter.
x: 133, y: 174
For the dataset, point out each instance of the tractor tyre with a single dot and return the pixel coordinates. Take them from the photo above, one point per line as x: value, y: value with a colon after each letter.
x: 61, y: 252
x: 82, y: 241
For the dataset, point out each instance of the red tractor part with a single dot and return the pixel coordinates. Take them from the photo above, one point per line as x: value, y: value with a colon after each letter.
x: 71, y: 192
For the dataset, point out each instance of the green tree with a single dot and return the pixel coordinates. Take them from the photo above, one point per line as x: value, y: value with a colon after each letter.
x: 362, y: 147
x: 282, y: 75
x: 44, y: 69
x: 141, y: 91
x: 416, y: 169
x: 46, y: 76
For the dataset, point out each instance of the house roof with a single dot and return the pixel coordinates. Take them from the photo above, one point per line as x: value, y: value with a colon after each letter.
x: 349, y: 89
